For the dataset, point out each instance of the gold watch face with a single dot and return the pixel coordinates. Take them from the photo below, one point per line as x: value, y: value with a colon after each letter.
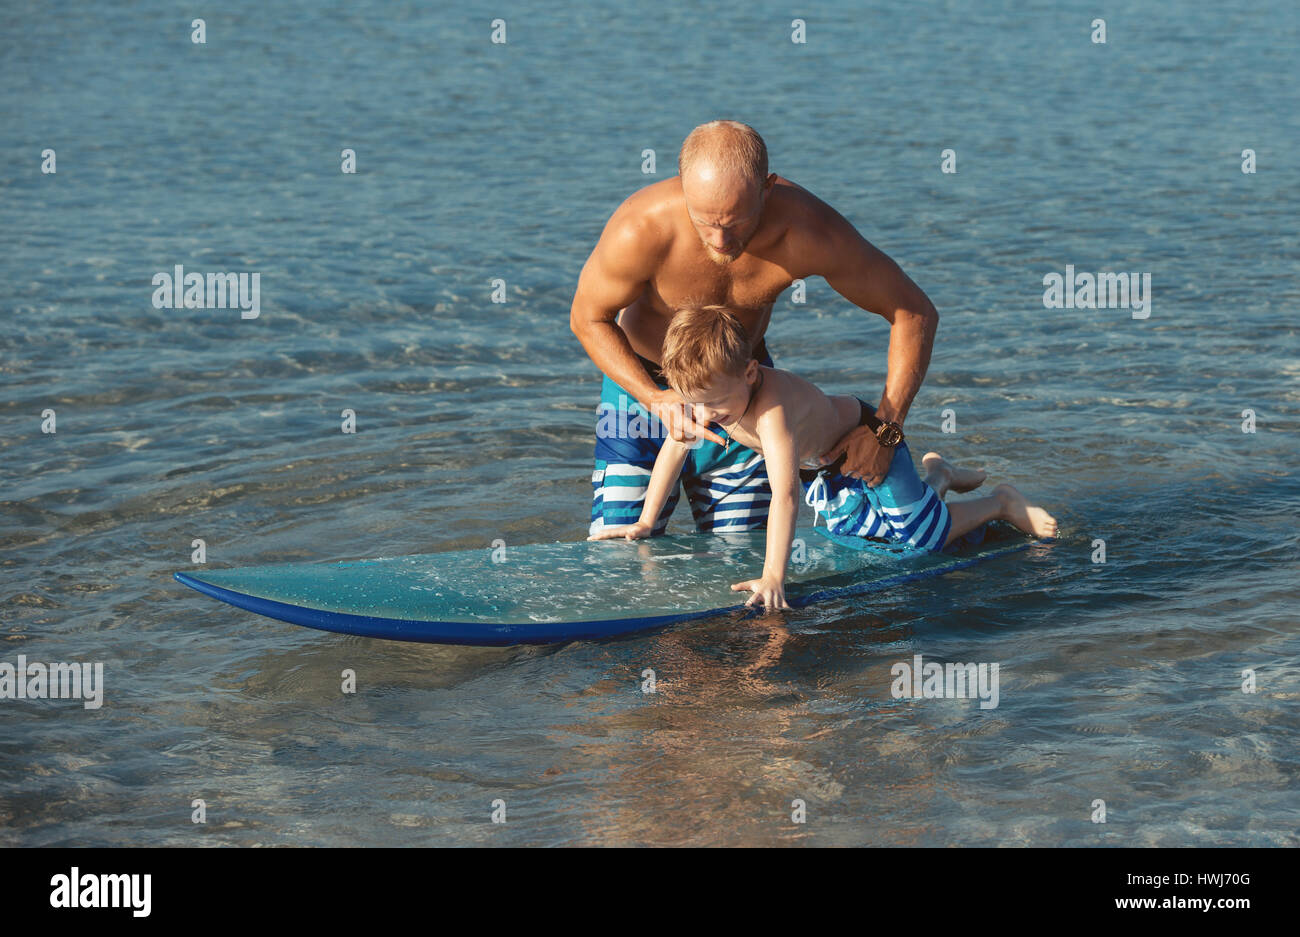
x: 889, y: 434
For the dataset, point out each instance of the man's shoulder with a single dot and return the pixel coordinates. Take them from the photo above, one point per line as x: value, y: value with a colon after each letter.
x: 798, y: 208
x: 814, y: 236
x: 796, y: 196
x: 654, y: 203
x: 645, y: 217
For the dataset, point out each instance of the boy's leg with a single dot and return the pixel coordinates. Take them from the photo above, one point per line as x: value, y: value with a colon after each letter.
x: 915, y: 513
x: 902, y: 509
x: 943, y: 476
x: 1006, y: 504
x: 627, y: 443
x: 908, y: 511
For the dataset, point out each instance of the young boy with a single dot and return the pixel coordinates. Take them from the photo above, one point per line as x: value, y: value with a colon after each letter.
x: 706, y: 359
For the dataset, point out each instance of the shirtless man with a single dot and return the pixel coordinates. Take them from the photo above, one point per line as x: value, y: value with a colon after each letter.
x: 725, y: 231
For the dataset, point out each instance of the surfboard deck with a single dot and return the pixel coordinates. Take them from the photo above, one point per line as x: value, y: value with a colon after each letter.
x: 566, y: 591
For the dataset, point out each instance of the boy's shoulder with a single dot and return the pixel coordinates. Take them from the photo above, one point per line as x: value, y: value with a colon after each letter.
x: 783, y: 387
x: 783, y: 400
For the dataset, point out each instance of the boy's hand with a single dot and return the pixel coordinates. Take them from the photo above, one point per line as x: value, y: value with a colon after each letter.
x: 677, y: 420
x: 770, y: 591
x: 635, y: 531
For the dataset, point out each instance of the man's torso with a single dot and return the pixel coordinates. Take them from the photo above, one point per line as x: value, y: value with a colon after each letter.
x: 685, y: 275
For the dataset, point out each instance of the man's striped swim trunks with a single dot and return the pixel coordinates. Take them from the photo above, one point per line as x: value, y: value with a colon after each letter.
x: 727, y: 490
x: 902, y: 509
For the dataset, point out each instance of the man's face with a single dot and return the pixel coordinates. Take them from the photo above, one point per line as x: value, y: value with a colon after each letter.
x: 725, y: 212
x: 725, y: 399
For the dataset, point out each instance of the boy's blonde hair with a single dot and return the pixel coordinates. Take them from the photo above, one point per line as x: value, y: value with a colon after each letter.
x: 703, y: 342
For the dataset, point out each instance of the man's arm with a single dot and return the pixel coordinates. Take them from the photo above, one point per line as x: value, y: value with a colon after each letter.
x: 615, y: 275
x: 872, y: 281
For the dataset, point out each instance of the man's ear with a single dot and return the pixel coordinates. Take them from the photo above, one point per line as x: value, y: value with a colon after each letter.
x: 751, y: 370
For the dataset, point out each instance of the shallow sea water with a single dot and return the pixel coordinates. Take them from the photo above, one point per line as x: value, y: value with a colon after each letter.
x: 1119, y: 681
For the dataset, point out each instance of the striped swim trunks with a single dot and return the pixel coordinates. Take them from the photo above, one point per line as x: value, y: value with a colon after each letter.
x: 727, y: 490
x: 902, y: 509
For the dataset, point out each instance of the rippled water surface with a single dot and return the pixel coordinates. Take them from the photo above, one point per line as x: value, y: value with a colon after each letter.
x: 1120, y: 681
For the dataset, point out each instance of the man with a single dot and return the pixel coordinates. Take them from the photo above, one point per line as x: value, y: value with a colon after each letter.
x: 725, y: 231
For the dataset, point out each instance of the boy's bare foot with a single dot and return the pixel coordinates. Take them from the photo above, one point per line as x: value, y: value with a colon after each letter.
x: 950, y: 477
x: 1029, y: 518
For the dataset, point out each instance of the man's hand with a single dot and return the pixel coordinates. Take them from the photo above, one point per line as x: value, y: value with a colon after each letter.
x: 866, y: 459
x: 770, y: 591
x: 677, y: 420
x: 637, y: 531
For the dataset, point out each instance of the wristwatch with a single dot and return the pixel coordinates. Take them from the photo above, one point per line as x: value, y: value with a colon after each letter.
x: 888, y: 433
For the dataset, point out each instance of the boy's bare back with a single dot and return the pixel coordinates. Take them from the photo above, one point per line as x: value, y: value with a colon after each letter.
x: 816, y: 421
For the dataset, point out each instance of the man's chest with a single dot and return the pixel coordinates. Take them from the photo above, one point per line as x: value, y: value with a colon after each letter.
x: 747, y: 283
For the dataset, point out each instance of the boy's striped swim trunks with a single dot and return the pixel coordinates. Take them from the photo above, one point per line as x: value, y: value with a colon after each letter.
x: 902, y: 509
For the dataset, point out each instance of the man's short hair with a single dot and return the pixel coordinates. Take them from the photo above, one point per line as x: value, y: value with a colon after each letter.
x: 733, y: 147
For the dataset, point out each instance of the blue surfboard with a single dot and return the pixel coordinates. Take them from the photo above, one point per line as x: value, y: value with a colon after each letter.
x: 548, y: 593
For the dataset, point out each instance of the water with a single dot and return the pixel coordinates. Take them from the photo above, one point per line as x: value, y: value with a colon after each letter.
x: 1119, y: 682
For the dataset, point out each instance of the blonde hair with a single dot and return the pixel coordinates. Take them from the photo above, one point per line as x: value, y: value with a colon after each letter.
x: 734, y: 148
x: 703, y: 342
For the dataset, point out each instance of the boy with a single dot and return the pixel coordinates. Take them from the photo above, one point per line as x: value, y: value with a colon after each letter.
x: 707, y: 359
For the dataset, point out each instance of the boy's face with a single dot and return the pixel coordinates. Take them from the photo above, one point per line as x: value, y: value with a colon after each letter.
x: 725, y: 399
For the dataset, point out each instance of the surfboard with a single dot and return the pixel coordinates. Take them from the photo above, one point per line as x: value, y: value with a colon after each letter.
x: 555, y: 592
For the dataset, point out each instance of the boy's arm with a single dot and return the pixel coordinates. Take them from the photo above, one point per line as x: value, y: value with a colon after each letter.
x: 668, y: 468
x: 777, y: 441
